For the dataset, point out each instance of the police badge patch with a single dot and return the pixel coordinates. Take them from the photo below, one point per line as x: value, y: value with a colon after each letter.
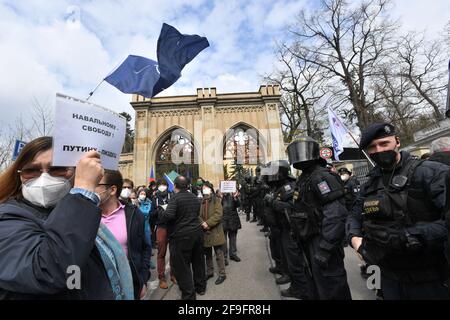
x: 287, y: 188
x: 324, y: 187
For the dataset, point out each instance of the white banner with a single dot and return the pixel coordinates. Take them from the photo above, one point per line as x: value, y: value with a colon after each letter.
x: 228, y: 186
x: 81, y: 126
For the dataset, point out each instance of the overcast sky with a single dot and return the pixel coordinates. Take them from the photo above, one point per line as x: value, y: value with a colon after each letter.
x: 69, y: 46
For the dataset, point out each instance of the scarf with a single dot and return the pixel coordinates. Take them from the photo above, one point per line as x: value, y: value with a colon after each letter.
x: 116, y: 264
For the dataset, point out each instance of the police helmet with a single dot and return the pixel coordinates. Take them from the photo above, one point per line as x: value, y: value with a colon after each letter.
x: 303, y: 149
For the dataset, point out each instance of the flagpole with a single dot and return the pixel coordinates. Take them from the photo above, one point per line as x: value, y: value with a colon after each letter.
x: 447, y: 112
x: 351, y: 135
x: 92, y: 92
x: 365, y: 154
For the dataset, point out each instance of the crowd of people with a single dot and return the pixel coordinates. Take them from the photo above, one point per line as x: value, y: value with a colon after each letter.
x: 53, y: 219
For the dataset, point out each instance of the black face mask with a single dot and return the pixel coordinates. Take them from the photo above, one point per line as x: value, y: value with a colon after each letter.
x: 306, y: 165
x: 385, y: 159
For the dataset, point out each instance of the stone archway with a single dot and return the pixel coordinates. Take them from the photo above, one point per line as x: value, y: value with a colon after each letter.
x: 176, y: 151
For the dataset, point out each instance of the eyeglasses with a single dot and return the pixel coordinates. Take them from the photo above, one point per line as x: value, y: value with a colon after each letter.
x: 35, y: 172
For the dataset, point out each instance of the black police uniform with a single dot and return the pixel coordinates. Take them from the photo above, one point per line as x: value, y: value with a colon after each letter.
x: 351, y: 187
x: 318, y: 220
x: 300, y: 286
x: 399, y: 215
x: 275, y: 244
x: 253, y: 196
x: 245, y: 197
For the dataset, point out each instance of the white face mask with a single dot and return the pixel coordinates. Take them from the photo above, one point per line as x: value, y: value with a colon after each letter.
x: 345, y: 177
x: 162, y: 188
x: 206, y: 191
x: 125, y: 193
x: 142, y: 197
x: 46, y: 190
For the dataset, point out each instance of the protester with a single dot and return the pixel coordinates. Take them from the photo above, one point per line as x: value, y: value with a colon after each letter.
x: 231, y: 224
x: 145, y: 207
x: 126, y: 223
x: 186, y: 240
x: 127, y: 189
x: 197, y: 187
x: 152, y: 188
x: 211, y: 216
x: 49, y: 221
x: 133, y: 199
x: 160, y: 201
x: 440, y: 150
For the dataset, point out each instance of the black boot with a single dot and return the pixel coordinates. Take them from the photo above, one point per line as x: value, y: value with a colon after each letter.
x: 283, y: 279
x: 289, y: 293
x: 275, y: 270
x: 220, y: 279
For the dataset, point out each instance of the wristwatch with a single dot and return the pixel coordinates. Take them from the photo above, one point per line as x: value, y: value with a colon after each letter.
x: 94, y: 197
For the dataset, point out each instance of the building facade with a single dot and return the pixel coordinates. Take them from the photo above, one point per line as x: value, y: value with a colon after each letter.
x: 203, y: 134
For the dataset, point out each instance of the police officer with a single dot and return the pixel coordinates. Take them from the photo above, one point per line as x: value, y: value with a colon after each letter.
x: 275, y: 242
x: 260, y: 190
x: 245, y: 197
x: 284, y: 185
x: 351, y: 186
x: 318, y: 219
x: 397, y: 220
x: 252, y: 194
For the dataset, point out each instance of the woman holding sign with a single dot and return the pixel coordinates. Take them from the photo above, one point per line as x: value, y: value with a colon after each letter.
x: 49, y: 224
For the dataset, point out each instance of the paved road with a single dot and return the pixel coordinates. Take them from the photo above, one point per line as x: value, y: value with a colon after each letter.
x: 250, y: 278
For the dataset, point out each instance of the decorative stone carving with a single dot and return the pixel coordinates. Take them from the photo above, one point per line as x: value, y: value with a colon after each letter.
x: 141, y: 115
x: 272, y: 106
x: 234, y: 109
x: 171, y: 113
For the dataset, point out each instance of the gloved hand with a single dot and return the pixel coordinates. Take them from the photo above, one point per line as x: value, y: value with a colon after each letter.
x: 278, y: 205
x: 268, y: 199
x: 413, y: 243
x: 321, y: 258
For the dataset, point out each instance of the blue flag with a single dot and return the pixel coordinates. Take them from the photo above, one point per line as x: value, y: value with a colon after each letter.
x: 147, y: 77
x: 170, y: 185
x: 175, y: 51
x: 135, y: 75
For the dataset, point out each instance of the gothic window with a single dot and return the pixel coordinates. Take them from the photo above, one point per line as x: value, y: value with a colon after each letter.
x: 176, y: 153
x: 242, y: 146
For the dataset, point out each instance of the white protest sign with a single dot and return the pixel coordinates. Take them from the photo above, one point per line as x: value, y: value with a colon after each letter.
x: 81, y: 126
x: 228, y: 186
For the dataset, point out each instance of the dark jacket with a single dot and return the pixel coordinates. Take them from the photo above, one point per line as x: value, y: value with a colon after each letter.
x: 351, y: 187
x: 181, y: 215
x: 230, y: 218
x: 139, y: 252
x: 442, y: 157
x: 425, y: 206
x: 160, y: 198
x: 38, y: 245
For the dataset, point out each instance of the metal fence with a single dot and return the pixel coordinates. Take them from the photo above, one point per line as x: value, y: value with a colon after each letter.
x: 360, y: 169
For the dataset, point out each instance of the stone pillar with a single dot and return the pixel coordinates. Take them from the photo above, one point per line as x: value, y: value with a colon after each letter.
x: 141, y: 144
x: 211, y: 166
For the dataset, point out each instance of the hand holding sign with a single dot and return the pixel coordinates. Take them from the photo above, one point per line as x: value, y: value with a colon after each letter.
x: 89, y: 171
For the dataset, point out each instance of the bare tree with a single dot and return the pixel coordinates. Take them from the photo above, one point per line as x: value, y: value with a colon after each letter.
x: 16, y: 131
x: 42, y: 118
x: 303, y: 85
x: 400, y: 103
x: 424, y: 66
x: 349, y: 43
